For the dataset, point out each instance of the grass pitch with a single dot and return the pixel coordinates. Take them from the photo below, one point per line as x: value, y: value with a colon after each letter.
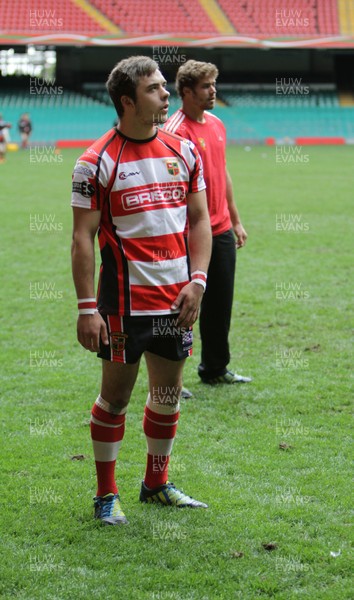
x: 271, y: 458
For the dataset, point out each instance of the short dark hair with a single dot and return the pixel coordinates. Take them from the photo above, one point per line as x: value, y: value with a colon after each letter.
x: 124, y: 78
x: 191, y: 72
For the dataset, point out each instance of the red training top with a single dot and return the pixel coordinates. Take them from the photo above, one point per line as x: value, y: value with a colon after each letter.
x: 210, y: 140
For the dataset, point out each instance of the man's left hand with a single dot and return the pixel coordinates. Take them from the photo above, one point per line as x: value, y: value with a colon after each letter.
x: 241, y: 235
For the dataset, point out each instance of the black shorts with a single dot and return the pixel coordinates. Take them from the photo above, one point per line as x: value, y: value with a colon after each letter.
x: 130, y: 337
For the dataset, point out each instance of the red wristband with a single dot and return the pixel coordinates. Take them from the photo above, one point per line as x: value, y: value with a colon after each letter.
x: 87, y: 306
x: 199, y: 277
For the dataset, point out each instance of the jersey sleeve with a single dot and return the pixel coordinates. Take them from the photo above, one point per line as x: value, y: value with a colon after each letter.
x: 196, y: 182
x: 88, y: 183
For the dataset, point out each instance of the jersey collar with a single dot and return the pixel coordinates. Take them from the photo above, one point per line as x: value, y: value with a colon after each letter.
x: 129, y: 139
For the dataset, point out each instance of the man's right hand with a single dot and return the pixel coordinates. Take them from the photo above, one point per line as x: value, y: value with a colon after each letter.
x: 90, y: 328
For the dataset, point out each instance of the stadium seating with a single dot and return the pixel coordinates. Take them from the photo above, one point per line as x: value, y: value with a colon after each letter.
x: 46, y: 16
x: 249, y: 114
x: 255, y: 115
x: 57, y: 116
x: 159, y: 16
x: 286, y: 18
x: 260, y: 114
x: 290, y: 122
x: 272, y: 100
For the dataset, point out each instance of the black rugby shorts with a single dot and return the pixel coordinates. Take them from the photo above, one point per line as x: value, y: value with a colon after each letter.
x: 130, y: 337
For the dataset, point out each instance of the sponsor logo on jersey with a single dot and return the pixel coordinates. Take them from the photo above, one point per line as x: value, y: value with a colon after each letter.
x: 84, y: 188
x: 153, y: 197
x: 172, y: 167
x: 122, y: 175
x: 118, y: 342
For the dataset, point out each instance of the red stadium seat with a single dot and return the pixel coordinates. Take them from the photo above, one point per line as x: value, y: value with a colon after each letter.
x: 290, y: 17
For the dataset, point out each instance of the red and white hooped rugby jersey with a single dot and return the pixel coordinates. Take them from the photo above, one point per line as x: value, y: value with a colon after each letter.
x: 140, y: 187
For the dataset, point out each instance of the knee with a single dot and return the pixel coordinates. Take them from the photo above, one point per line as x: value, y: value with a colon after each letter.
x: 118, y: 403
x: 115, y: 398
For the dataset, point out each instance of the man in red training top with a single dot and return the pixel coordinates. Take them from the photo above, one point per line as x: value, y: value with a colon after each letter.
x: 196, y: 85
x: 135, y: 187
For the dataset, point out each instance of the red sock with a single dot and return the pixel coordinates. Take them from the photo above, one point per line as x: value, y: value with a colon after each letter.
x: 160, y: 431
x: 107, y: 431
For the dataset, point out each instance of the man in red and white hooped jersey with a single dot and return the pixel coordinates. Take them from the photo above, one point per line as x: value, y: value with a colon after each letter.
x: 135, y: 187
x: 196, y: 85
